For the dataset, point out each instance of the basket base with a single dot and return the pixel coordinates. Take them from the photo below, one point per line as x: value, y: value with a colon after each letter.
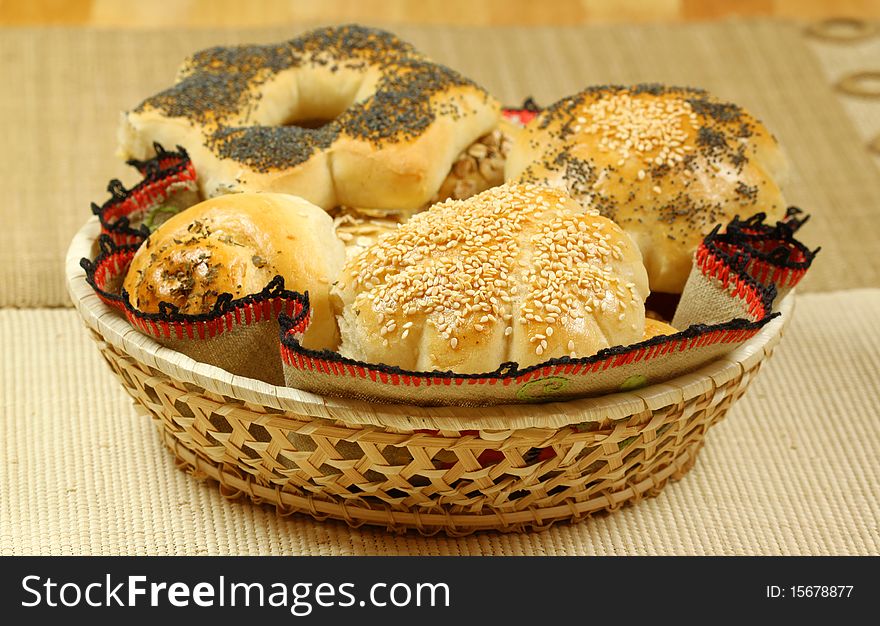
x: 335, y: 470
x: 234, y: 484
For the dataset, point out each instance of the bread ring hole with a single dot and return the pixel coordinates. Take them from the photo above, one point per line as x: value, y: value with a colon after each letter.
x: 310, y: 123
x: 314, y: 116
x: 316, y: 108
x: 314, y: 97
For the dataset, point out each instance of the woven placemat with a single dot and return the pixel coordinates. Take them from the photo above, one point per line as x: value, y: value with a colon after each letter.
x: 852, y: 67
x: 59, y: 121
x: 791, y: 470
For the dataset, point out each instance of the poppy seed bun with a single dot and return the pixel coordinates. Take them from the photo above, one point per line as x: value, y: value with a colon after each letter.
x: 516, y: 273
x: 344, y: 115
x: 665, y: 163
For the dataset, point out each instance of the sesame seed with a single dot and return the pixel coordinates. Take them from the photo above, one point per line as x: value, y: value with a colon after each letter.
x: 550, y: 265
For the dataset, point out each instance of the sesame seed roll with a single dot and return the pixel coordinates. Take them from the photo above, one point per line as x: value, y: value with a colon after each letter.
x: 516, y: 273
x: 665, y: 163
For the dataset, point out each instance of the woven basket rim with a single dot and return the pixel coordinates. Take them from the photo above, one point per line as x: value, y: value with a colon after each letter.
x: 115, y: 330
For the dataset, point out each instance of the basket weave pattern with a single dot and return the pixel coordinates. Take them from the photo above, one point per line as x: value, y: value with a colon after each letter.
x: 428, y: 481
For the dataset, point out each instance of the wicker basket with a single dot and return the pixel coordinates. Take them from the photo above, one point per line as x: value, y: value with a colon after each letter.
x: 454, y: 470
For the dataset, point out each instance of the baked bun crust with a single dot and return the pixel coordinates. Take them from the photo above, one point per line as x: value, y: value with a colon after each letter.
x: 665, y: 163
x: 236, y: 244
x: 655, y: 328
x: 516, y: 273
x: 340, y: 116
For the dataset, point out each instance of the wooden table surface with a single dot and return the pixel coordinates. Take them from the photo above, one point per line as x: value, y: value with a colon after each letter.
x: 255, y: 13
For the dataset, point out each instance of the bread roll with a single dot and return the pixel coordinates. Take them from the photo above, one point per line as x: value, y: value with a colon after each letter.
x: 655, y: 328
x: 236, y: 244
x: 516, y: 273
x: 665, y: 163
x: 479, y: 167
x: 343, y: 115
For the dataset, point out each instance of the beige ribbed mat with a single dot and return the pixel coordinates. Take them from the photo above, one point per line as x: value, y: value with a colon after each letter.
x: 842, y: 59
x: 67, y: 86
x: 792, y: 469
